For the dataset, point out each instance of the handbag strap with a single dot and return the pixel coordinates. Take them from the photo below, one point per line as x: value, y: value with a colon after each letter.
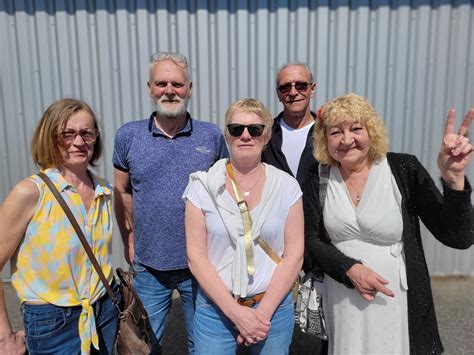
x: 244, y: 211
x: 323, y: 184
x: 268, y: 249
x: 248, y: 220
x: 79, y: 233
x: 323, y: 170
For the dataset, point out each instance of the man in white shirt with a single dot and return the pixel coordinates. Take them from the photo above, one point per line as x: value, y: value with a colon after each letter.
x: 290, y: 148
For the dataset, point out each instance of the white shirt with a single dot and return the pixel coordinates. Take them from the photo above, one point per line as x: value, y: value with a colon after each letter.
x: 221, y: 251
x: 293, y: 143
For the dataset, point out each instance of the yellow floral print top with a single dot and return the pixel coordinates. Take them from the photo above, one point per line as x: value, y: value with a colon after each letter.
x: 51, y: 265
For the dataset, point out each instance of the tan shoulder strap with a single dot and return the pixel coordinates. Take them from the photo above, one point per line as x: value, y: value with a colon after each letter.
x: 244, y: 211
x: 248, y: 222
x: 268, y: 249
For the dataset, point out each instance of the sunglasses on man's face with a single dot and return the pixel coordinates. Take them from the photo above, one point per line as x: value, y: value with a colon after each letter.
x: 236, y: 129
x: 299, y: 86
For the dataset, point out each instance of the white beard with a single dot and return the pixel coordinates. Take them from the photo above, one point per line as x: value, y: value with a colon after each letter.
x: 171, y: 110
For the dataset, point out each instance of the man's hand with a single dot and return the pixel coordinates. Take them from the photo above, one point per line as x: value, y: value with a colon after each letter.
x: 130, y: 251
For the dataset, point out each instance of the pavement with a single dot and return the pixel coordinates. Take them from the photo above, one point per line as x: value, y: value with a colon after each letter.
x: 454, y: 302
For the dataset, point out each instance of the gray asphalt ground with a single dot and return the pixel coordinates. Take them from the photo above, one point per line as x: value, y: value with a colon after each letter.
x: 454, y: 302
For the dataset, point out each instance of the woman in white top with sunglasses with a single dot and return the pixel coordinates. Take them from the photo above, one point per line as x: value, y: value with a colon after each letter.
x: 244, y: 295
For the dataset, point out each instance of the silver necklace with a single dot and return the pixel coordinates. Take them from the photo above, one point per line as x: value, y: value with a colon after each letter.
x: 357, y: 197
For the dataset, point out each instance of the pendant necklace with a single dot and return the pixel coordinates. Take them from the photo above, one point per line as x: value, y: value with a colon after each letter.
x: 362, y: 177
x: 246, y: 192
x: 357, y: 197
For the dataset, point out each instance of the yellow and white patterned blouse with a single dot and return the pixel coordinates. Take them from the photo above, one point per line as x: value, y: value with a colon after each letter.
x: 51, y: 265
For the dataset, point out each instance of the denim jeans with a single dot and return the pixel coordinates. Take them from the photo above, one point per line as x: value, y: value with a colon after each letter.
x: 215, y: 333
x: 52, y: 329
x: 155, y: 290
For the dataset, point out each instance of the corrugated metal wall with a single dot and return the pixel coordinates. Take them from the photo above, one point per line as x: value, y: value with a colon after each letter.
x: 413, y: 59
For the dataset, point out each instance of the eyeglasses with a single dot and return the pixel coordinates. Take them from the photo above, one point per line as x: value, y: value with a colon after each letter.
x: 236, y: 129
x: 88, y: 136
x: 299, y: 86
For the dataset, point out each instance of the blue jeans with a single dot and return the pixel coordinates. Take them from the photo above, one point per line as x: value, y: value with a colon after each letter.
x: 155, y: 290
x: 52, y: 329
x: 215, y: 333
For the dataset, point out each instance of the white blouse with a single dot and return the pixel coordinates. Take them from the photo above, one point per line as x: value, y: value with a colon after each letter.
x: 221, y: 251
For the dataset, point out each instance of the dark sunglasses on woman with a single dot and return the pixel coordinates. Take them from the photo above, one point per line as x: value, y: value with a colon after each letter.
x: 236, y: 129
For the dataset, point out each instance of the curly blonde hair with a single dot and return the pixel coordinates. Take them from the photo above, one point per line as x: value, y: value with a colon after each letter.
x: 360, y: 110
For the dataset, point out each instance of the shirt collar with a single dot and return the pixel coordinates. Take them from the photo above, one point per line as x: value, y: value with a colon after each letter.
x: 185, y: 131
x: 102, y: 187
x: 281, y: 114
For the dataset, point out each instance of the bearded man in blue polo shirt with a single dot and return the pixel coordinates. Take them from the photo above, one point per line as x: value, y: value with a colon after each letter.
x: 153, y: 159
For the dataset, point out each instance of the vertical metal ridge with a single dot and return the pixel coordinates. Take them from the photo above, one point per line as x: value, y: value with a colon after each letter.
x: 413, y: 60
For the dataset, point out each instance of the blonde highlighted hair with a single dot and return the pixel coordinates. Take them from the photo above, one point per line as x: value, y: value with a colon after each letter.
x: 360, y: 110
x: 45, y: 145
x: 251, y: 106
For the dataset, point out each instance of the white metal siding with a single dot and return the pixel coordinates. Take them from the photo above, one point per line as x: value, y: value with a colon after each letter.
x: 413, y: 59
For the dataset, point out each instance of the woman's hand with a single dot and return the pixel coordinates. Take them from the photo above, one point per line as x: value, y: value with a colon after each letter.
x: 252, y: 325
x: 455, y: 151
x: 367, y: 282
x: 13, y: 344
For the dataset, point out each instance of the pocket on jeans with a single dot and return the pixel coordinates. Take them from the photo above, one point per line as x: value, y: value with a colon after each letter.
x: 288, y: 300
x: 43, y: 324
x: 202, y: 301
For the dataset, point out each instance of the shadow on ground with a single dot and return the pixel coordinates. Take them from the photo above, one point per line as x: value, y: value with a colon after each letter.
x: 453, y: 296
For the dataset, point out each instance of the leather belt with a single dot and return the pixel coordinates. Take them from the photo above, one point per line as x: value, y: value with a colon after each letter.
x: 251, y: 301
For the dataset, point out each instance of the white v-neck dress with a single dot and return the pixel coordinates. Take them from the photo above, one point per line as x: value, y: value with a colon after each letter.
x: 371, y: 233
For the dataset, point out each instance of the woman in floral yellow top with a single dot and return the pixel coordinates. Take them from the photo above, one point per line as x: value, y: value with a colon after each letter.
x: 66, y: 307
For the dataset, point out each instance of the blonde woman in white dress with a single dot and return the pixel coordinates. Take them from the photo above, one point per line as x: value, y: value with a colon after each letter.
x: 367, y: 239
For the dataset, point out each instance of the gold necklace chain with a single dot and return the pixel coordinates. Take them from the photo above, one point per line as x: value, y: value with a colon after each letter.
x: 246, y: 192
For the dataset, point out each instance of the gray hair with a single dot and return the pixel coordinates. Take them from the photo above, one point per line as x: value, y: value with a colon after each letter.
x: 176, y: 58
x: 295, y: 64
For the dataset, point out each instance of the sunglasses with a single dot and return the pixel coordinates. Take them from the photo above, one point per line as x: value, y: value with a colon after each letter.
x: 299, y: 86
x: 236, y: 130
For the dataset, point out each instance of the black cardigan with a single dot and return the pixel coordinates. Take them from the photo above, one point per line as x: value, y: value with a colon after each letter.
x: 449, y: 218
x: 273, y: 154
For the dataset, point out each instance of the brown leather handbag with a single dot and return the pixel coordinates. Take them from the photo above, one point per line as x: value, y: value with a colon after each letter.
x: 134, y: 331
x: 134, y: 334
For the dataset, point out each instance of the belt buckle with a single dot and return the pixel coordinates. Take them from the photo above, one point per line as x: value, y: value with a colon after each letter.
x: 248, y: 302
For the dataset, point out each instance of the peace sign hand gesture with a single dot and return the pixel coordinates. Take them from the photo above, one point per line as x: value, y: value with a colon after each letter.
x: 455, y: 151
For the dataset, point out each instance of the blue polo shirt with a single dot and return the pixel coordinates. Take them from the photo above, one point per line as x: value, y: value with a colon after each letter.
x: 159, y: 168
